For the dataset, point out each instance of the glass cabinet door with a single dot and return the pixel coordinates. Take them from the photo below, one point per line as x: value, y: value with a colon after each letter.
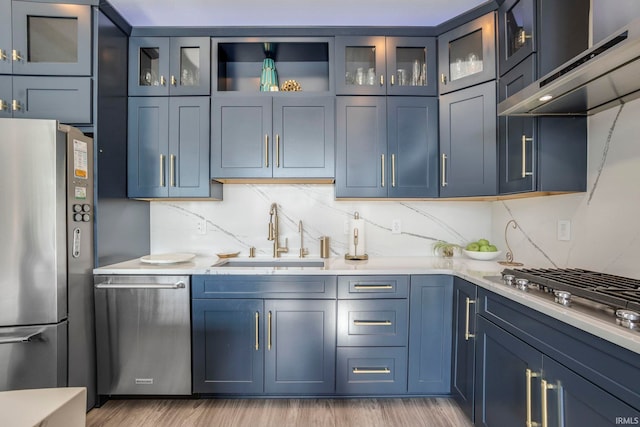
x: 516, y: 28
x: 149, y: 66
x: 51, y: 39
x: 360, y: 65
x: 467, y: 54
x: 411, y: 66
x: 190, y: 66
x: 5, y: 38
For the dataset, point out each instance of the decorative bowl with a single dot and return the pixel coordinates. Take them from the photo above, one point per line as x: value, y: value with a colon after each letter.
x: 482, y: 256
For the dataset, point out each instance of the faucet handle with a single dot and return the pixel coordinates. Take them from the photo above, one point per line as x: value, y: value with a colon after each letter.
x: 304, y: 252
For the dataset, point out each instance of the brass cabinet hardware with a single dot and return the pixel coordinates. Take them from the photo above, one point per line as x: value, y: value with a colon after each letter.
x: 163, y: 81
x: 172, y: 172
x: 266, y: 151
x: 257, y: 334
x: 381, y: 79
x: 544, y: 386
x: 371, y: 371
x: 174, y: 81
x: 468, y: 335
x: 3, y: 105
x: 393, y: 80
x: 372, y: 322
x: 3, y: 55
x: 444, y: 169
x: 15, y: 55
x: 530, y: 374
x: 524, y: 156
x: 443, y: 79
x: 269, y: 331
x: 161, y: 170
x: 15, y: 105
x: 382, y: 169
x: 277, y: 150
x: 393, y: 170
x: 373, y: 286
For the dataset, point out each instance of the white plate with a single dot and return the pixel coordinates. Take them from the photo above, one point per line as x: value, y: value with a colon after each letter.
x: 167, y: 258
x: 482, y: 256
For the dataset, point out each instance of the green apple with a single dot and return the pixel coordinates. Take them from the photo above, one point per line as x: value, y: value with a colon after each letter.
x: 485, y: 248
x: 473, y: 246
x: 483, y: 242
x: 493, y: 248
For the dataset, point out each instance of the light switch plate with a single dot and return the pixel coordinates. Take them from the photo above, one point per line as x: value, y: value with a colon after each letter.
x: 564, y: 230
x: 396, y: 226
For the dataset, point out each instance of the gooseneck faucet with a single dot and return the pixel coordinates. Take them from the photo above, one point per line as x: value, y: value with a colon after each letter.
x: 274, y: 232
x: 303, y: 251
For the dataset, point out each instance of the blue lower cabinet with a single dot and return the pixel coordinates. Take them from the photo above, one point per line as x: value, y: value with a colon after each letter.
x: 430, y: 320
x: 371, y: 370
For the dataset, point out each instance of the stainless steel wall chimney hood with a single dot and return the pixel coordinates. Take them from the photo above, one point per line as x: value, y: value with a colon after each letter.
x: 602, y: 77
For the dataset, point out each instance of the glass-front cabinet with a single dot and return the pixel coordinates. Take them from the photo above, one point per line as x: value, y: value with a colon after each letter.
x: 385, y: 66
x: 45, y: 38
x: 516, y: 32
x: 161, y: 66
x: 467, y: 54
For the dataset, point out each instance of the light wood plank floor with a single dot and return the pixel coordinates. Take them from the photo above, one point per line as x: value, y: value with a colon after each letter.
x: 409, y: 412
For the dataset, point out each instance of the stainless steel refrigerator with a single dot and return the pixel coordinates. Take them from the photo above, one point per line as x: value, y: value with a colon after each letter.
x: 47, y: 334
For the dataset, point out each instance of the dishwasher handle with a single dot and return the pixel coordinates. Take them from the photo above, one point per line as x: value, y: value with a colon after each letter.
x: 177, y: 285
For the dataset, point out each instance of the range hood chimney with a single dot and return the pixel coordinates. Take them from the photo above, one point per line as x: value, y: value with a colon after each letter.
x: 602, y: 77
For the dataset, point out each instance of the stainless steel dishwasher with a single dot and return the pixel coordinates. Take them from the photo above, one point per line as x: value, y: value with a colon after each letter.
x: 143, y: 335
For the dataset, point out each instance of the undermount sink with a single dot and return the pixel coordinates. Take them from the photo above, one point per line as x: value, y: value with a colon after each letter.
x: 272, y: 263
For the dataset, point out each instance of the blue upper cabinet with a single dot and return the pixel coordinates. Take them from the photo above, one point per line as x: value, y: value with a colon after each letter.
x: 5, y: 96
x: 5, y: 39
x: 386, y: 66
x: 161, y: 66
x: 516, y: 32
x: 46, y: 39
x: 467, y: 54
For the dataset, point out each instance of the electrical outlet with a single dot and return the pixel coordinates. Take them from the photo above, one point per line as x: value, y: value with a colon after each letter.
x: 564, y: 229
x: 201, y: 226
x: 396, y: 226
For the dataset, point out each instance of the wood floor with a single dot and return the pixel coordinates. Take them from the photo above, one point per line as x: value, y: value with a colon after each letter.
x: 410, y: 412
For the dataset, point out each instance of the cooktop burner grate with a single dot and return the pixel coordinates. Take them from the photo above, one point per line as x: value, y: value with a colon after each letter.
x: 617, y: 291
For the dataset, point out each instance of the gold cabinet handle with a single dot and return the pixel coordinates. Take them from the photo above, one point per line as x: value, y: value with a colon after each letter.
x: 524, y: 156
x: 266, y: 151
x: 392, y: 79
x: 393, y: 170
x: 522, y: 37
x: 443, y: 79
x: 3, y: 105
x: 382, y: 169
x: 371, y: 371
x: 15, y: 55
x: 372, y: 322
x: 257, y: 327
x: 163, y: 81
x: 373, y: 286
x: 161, y: 170
x: 530, y: 374
x: 444, y: 170
x: 15, y: 105
x: 468, y: 335
x: 277, y: 150
x: 381, y: 79
x: 174, y: 81
x: 3, y: 55
x: 544, y: 386
x: 269, y: 331
x: 172, y: 171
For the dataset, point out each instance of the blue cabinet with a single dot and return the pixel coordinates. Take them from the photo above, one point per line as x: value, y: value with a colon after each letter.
x: 6, y: 97
x: 430, y: 308
x: 371, y: 370
x: 168, y: 147
x: 464, y: 344
x: 162, y: 66
x: 272, y: 137
x: 386, y: 147
x: 257, y: 335
x: 5, y: 39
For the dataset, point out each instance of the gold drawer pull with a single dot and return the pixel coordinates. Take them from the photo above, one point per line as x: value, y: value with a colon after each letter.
x: 372, y: 322
x: 371, y: 371
x: 373, y: 286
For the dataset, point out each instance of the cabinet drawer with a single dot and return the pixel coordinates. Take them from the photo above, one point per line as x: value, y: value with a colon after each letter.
x: 372, y: 322
x: 359, y: 287
x: 371, y: 370
x: 254, y: 286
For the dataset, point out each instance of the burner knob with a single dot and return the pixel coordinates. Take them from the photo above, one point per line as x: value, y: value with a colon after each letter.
x: 627, y: 318
x: 522, y: 284
x: 563, y: 297
x: 508, y: 279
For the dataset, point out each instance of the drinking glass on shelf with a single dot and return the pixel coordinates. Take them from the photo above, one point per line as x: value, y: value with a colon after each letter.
x: 402, y: 77
x: 371, y: 76
x: 359, y: 76
x: 415, y: 75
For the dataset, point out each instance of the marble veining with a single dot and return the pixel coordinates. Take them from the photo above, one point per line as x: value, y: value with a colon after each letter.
x: 605, y: 151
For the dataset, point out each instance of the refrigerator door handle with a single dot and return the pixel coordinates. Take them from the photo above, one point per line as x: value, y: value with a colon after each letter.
x: 19, y: 338
x: 178, y: 285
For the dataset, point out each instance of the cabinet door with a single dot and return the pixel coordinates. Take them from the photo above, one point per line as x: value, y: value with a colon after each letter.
x: 430, y: 317
x: 464, y: 322
x: 147, y: 145
x: 149, y: 66
x: 301, y: 346
x: 361, y: 157
x: 5, y: 38
x: 241, y: 142
x: 468, y: 140
x: 467, y: 54
x: 304, y: 137
x: 6, y: 96
x: 572, y: 401
x: 228, y: 345
x: 190, y: 66
x: 504, y: 389
x: 413, y: 147
x: 52, y: 39
x: 189, y: 146
x: 516, y: 146
x: 411, y: 66
x: 516, y: 32
x: 360, y: 66
x: 66, y: 99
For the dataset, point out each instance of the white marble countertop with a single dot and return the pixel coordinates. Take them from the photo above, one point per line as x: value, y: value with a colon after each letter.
x: 51, y: 407
x: 471, y: 270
